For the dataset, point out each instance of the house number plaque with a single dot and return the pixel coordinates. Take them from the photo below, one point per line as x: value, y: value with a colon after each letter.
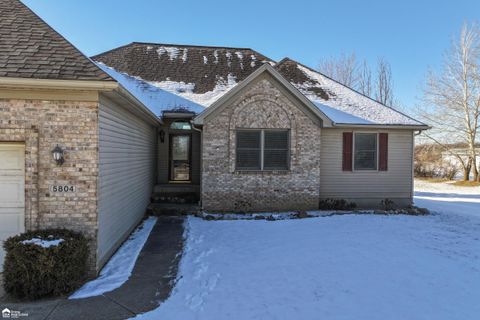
x: 62, y: 188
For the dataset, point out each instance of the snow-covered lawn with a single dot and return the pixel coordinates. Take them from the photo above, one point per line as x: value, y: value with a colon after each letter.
x: 339, y: 267
x: 448, y: 199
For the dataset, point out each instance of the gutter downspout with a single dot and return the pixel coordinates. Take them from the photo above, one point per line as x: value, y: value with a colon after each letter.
x: 201, y: 160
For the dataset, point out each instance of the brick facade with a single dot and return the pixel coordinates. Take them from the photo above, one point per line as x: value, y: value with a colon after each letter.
x: 41, y: 125
x: 264, y: 106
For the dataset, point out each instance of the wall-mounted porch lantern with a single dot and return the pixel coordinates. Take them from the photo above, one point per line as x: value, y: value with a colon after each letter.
x: 162, y: 136
x: 57, y: 155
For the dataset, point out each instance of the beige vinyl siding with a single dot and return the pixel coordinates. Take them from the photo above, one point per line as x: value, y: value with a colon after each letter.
x: 127, y: 152
x: 367, y: 187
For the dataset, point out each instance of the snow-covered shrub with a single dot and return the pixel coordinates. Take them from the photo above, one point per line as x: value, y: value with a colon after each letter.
x: 336, y: 204
x: 44, y: 263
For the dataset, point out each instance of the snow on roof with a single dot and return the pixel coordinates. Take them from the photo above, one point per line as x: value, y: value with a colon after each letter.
x: 346, y: 101
x: 339, y: 116
x: 186, y: 90
x: 169, y: 77
x: 155, y: 98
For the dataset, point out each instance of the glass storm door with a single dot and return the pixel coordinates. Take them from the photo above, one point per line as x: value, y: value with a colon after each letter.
x: 180, y: 157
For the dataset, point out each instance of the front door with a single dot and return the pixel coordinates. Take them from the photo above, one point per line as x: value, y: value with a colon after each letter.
x: 180, y: 157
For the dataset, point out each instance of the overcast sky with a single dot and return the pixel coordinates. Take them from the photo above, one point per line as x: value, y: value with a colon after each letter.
x: 411, y: 35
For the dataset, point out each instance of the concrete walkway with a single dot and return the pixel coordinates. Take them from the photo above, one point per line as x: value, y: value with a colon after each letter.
x: 150, y: 284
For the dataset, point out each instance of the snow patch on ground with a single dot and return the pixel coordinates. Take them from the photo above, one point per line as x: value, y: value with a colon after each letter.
x: 444, y: 187
x: 43, y: 243
x: 120, y: 266
x: 338, y: 267
x: 447, y: 198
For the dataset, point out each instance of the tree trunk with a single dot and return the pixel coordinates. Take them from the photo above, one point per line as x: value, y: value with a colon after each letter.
x: 466, y: 170
x: 475, y: 171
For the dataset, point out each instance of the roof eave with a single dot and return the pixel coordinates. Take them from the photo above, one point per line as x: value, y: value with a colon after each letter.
x: 82, y: 85
x: 382, y: 126
x: 124, y: 93
x: 178, y: 115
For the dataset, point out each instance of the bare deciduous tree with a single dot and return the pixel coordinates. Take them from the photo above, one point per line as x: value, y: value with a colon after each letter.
x: 344, y: 69
x: 365, y: 79
x: 384, y: 83
x: 347, y: 70
x: 452, y: 98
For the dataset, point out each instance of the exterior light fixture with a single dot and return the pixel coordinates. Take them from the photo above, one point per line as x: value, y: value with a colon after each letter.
x: 162, y: 136
x: 57, y: 155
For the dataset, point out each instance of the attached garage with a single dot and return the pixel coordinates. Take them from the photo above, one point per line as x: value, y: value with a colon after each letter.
x: 12, y: 192
x: 106, y: 137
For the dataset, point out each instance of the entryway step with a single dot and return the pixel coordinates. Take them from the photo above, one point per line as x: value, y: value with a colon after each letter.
x: 173, y: 209
x: 176, y: 194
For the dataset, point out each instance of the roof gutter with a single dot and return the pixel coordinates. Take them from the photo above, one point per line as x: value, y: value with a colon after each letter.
x: 382, y: 126
x: 81, y: 85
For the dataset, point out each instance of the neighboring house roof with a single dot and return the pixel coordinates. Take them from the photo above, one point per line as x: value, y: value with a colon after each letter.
x: 30, y: 48
x: 155, y: 99
x: 199, y: 73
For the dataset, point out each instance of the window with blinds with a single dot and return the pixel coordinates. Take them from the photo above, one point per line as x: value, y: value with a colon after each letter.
x: 262, y: 150
x: 249, y: 150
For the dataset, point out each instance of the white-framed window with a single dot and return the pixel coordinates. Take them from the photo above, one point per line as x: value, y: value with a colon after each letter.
x: 262, y: 149
x: 365, y: 151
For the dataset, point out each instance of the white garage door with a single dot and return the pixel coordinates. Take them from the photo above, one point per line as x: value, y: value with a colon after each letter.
x: 12, y: 192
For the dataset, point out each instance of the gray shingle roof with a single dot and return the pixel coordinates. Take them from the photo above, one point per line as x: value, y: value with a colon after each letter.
x: 340, y: 103
x: 30, y: 48
x: 202, y: 65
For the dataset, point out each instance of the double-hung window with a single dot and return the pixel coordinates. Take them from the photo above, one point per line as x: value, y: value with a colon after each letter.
x: 365, y: 151
x: 266, y: 149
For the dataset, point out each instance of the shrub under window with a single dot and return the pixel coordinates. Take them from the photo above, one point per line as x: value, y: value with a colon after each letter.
x: 262, y: 150
x: 365, y: 151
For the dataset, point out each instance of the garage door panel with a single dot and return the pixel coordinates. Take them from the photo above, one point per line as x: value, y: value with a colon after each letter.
x: 12, y: 192
x: 12, y: 222
x: 11, y: 158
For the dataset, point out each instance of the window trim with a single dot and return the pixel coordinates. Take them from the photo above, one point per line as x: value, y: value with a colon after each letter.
x: 377, y: 158
x: 262, y: 150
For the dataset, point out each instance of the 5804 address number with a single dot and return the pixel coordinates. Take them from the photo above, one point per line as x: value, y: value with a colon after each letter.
x: 62, y: 188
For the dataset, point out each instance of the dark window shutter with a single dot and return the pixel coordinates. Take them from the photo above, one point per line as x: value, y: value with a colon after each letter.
x: 275, y: 154
x: 383, y: 152
x: 248, y: 150
x: 347, y: 151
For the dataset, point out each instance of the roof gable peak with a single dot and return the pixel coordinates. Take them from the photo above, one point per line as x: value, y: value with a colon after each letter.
x: 265, y: 68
